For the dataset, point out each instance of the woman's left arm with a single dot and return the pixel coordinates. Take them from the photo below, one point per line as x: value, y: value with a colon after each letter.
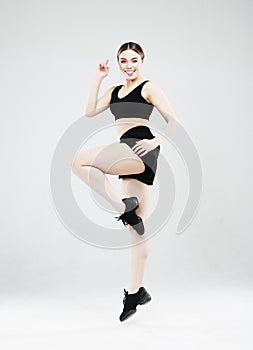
x: 158, y: 98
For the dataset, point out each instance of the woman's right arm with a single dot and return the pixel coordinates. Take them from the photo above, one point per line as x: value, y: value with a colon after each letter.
x: 93, y: 105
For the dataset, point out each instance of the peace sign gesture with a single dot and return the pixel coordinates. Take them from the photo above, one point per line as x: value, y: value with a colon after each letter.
x: 103, y: 69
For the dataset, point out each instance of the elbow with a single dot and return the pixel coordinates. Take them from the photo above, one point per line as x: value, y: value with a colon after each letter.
x: 90, y: 111
x: 89, y: 114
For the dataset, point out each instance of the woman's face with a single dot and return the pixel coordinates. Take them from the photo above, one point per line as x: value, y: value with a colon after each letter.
x: 130, y: 63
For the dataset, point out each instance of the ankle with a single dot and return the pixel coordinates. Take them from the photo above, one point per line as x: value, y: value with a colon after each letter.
x: 133, y: 290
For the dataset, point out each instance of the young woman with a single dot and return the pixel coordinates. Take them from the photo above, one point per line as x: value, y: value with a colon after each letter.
x: 133, y: 159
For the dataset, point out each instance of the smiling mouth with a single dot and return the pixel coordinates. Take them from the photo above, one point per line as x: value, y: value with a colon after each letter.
x: 129, y: 71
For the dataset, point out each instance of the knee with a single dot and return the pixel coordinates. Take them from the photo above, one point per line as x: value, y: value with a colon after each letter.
x: 141, y: 249
x: 74, y: 167
x: 144, y: 253
x: 76, y: 164
x: 146, y: 246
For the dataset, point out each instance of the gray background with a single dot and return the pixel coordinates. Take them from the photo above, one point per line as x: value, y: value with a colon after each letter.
x: 200, y: 53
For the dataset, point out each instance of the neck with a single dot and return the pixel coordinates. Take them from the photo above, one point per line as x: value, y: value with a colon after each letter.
x: 131, y: 82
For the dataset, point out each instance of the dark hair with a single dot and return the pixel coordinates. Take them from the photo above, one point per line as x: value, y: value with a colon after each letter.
x: 131, y: 46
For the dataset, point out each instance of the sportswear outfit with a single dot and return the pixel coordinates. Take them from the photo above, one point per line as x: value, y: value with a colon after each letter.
x: 134, y: 105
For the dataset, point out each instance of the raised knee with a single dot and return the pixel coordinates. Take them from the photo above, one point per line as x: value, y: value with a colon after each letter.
x: 75, y: 166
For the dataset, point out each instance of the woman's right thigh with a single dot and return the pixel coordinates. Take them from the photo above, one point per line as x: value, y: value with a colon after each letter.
x: 114, y: 159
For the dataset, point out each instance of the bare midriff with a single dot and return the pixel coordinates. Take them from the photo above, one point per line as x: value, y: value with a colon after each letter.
x: 124, y: 124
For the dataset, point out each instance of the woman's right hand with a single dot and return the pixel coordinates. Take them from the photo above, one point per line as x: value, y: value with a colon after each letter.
x: 102, y: 69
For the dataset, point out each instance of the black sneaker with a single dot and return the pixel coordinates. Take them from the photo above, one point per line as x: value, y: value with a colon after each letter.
x: 130, y: 217
x: 132, y: 300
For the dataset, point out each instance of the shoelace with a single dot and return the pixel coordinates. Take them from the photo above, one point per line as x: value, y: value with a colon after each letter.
x: 122, y: 218
x: 126, y: 294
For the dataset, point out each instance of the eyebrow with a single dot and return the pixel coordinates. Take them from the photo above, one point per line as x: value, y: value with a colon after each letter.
x: 131, y: 58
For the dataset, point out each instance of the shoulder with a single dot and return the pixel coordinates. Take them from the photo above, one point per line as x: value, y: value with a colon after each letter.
x: 152, y: 87
x: 111, y: 89
x: 112, y: 93
x: 151, y: 90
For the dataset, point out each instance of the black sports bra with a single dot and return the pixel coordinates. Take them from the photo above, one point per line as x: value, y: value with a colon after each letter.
x: 133, y: 105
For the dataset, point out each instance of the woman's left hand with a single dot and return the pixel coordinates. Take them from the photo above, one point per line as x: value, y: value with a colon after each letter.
x: 144, y: 146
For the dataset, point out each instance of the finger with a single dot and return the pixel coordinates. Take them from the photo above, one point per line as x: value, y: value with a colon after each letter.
x: 106, y: 62
x: 143, y: 152
x: 140, y: 146
x: 136, y: 148
x: 137, y: 143
x: 140, y: 151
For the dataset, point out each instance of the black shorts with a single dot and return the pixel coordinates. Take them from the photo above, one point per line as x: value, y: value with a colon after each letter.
x: 130, y: 137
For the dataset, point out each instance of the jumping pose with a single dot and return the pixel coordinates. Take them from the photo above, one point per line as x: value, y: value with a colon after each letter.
x: 133, y: 159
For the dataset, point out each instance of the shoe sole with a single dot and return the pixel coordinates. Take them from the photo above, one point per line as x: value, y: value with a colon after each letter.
x: 139, y: 228
x: 135, y: 202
